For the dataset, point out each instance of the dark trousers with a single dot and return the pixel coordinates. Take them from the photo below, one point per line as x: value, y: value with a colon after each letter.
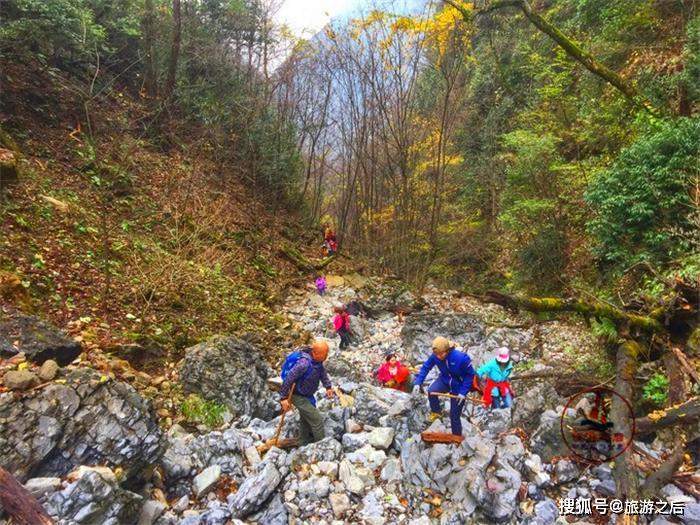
x: 455, y: 406
x: 344, y: 338
x: 310, y: 421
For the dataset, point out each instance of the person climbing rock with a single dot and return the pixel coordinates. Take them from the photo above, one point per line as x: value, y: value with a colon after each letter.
x: 393, y: 374
x: 341, y: 324
x: 321, y: 285
x: 497, y: 392
x: 456, y: 377
x: 305, y: 374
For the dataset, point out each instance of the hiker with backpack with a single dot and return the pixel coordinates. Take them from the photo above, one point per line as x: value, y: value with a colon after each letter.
x: 302, y: 371
x: 329, y: 240
x: 497, y: 392
x: 341, y: 324
x: 456, y: 378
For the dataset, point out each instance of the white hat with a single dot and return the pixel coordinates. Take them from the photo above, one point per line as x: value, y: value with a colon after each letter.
x: 503, y: 355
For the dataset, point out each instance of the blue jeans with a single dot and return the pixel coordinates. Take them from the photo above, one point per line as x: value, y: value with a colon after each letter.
x: 455, y: 406
x: 501, y: 402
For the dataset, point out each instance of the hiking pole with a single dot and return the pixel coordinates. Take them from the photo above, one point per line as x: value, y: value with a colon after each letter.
x: 452, y: 396
x: 273, y: 442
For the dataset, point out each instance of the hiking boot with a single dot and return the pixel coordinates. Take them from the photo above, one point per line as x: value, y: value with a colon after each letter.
x: 433, y: 416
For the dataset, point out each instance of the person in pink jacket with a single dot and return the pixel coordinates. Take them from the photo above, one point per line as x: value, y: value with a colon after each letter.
x: 341, y: 324
x: 393, y: 374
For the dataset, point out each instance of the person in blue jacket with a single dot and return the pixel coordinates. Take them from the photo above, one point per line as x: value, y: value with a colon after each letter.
x: 456, y: 376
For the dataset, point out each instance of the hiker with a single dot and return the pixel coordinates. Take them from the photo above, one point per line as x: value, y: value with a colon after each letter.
x: 393, y: 374
x: 497, y: 392
x: 341, y: 324
x: 304, y: 369
x: 321, y: 285
x: 329, y: 240
x: 456, y: 377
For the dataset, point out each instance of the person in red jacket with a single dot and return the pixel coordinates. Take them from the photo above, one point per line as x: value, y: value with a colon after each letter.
x: 341, y: 324
x: 393, y: 374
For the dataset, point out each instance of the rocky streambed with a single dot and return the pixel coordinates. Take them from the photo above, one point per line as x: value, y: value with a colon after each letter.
x: 90, y: 449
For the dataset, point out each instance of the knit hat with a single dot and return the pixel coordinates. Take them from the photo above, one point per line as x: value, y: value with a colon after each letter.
x: 503, y: 355
x: 441, y: 343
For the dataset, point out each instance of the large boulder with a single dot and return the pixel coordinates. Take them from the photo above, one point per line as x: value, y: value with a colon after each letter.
x: 37, y: 339
x: 85, y: 421
x: 420, y: 329
x: 231, y: 371
x: 94, y: 499
x: 187, y: 454
x: 257, y: 488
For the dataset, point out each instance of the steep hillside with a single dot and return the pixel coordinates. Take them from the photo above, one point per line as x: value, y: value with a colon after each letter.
x: 136, y: 247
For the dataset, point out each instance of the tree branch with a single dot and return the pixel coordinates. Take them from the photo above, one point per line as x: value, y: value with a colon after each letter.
x: 596, y: 309
x: 19, y: 503
x: 686, y: 413
x: 573, y: 49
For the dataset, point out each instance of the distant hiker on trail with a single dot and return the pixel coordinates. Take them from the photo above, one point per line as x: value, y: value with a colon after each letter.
x: 321, y: 285
x: 329, y: 240
x: 341, y: 324
x: 393, y: 374
x: 303, y: 370
x: 497, y: 390
x: 456, y: 377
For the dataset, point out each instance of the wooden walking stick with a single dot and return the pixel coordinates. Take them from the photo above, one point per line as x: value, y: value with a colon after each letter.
x: 275, y: 440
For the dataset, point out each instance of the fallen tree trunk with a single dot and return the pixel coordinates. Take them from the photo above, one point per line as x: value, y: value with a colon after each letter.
x: 595, y: 309
x: 19, y: 503
x: 685, y: 414
x: 624, y: 475
x: 664, y: 472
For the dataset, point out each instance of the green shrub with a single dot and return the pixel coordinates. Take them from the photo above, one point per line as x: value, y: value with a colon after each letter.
x: 656, y: 389
x: 643, y: 201
x: 199, y: 411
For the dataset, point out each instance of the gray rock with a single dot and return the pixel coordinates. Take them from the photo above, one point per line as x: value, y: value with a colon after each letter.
x: 20, y: 379
x: 565, y: 471
x: 231, y: 371
x: 150, y: 512
x: 348, y: 475
x: 691, y: 514
x: 369, y: 456
x: 315, y: 487
x: 206, y: 480
x: 187, y: 453
x: 48, y: 370
x: 275, y: 513
x: 39, y: 487
x: 182, y: 504
x: 547, y: 440
x: 340, y: 503
x: 391, y: 471
x: 546, y: 512
x: 352, y: 442
x: 420, y: 329
x: 257, y: 488
x: 381, y: 437
x: 328, y: 449
x: 85, y: 421
x: 36, y: 339
x: 92, y: 500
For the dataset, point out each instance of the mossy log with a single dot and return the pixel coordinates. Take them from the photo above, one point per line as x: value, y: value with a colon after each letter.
x: 587, y: 308
x: 686, y: 413
x: 626, y: 365
x: 19, y: 503
x: 301, y: 262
